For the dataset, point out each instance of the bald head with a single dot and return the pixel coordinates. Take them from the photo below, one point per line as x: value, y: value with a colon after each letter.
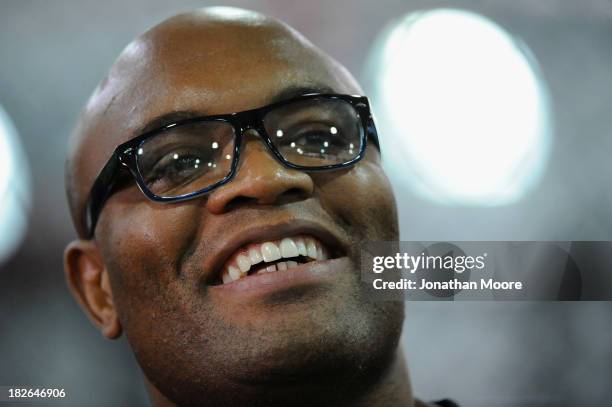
x: 211, y: 61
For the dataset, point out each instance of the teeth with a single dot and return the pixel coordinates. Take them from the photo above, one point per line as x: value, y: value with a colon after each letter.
x: 288, y: 248
x: 301, y: 246
x: 255, y: 256
x: 226, y: 278
x: 234, y: 273
x: 320, y: 254
x: 244, y: 263
x: 270, y: 252
x: 311, y: 247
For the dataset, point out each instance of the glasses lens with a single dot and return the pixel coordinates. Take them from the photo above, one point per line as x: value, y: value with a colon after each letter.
x: 187, y: 158
x: 316, y: 132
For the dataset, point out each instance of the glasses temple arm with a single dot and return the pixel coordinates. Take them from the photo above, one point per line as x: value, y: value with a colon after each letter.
x: 100, y: 191
x: 373, y: 133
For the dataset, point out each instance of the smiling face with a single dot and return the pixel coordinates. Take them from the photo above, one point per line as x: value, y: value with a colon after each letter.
x: 253, y: 289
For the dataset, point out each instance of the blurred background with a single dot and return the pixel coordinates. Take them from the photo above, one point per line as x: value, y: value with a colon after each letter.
x: 495, y: 125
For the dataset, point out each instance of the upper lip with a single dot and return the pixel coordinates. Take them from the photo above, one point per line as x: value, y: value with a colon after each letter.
x: 262, y: 232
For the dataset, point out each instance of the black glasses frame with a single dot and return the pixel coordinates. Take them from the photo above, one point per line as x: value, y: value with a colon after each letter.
x: 125, y: 155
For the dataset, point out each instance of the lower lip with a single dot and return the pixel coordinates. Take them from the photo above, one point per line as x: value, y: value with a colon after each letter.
x: 314, y: 273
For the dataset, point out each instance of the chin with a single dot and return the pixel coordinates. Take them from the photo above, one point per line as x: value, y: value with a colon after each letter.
x: 306, y: 357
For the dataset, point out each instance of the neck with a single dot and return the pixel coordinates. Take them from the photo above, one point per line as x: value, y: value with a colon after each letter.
x: 391, y: 389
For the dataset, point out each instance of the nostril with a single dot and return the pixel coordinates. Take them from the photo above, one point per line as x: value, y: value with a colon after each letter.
x: 297, y: 193
x: 240, y: 201
x: 288, y: 196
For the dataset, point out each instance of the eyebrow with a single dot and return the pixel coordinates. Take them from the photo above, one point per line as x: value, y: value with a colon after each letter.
x: 169, y: 118
x: 176, y: 116
x: 295, y: 91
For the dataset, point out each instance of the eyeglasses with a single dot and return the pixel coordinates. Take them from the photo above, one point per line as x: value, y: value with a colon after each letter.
x: 185, y: 159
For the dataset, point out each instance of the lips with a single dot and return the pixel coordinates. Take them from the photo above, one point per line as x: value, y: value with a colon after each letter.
x: 272, y: 256
x: 273, y: 248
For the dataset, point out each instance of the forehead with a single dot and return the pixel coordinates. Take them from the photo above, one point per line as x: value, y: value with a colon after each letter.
x: 211, y: 68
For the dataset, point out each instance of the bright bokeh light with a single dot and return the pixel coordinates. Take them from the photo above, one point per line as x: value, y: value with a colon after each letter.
x: 462, y: 109
x: 14, y: 189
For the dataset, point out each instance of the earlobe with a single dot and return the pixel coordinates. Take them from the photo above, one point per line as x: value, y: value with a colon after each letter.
x: 88, y: 280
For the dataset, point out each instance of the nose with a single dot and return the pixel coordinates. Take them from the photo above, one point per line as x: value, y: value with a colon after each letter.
x: 260, y: 179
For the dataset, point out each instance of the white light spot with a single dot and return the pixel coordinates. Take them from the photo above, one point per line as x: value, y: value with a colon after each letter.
x: 325, y: 144
x: 197, y: 160
x: 299, y: 150
x: 175, y: 156
x: 15, y: 189
x: 210, y: 164
x: 351, y: 146
x: 215, y: 145
x: 333, y: 130
x: 322, y: 150
x: 479, y: 130
x: 292, y: 144
x: 227, y: 157
x: 140, y: 151
x: 279, y: 133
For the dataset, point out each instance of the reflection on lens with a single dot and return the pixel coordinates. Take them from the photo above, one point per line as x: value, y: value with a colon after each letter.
x: 316, y: 132
x: 186, y: 158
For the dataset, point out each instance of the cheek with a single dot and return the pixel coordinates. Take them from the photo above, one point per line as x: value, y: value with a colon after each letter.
x: 363, y: 198
x: 159, y: 305
x: 142, y: 245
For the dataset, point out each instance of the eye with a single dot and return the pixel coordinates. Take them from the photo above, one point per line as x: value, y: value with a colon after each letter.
x: 314, y: 142
x: 176, y: 168
x: 316, y: 137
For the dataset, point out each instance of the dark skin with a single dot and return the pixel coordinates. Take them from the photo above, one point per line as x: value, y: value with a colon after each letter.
x: 145, y: 273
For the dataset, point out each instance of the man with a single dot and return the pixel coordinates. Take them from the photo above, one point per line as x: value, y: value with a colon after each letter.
x: 224, y: 245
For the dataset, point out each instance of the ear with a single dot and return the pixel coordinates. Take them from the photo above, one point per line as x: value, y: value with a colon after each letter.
x: 87, y: 278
